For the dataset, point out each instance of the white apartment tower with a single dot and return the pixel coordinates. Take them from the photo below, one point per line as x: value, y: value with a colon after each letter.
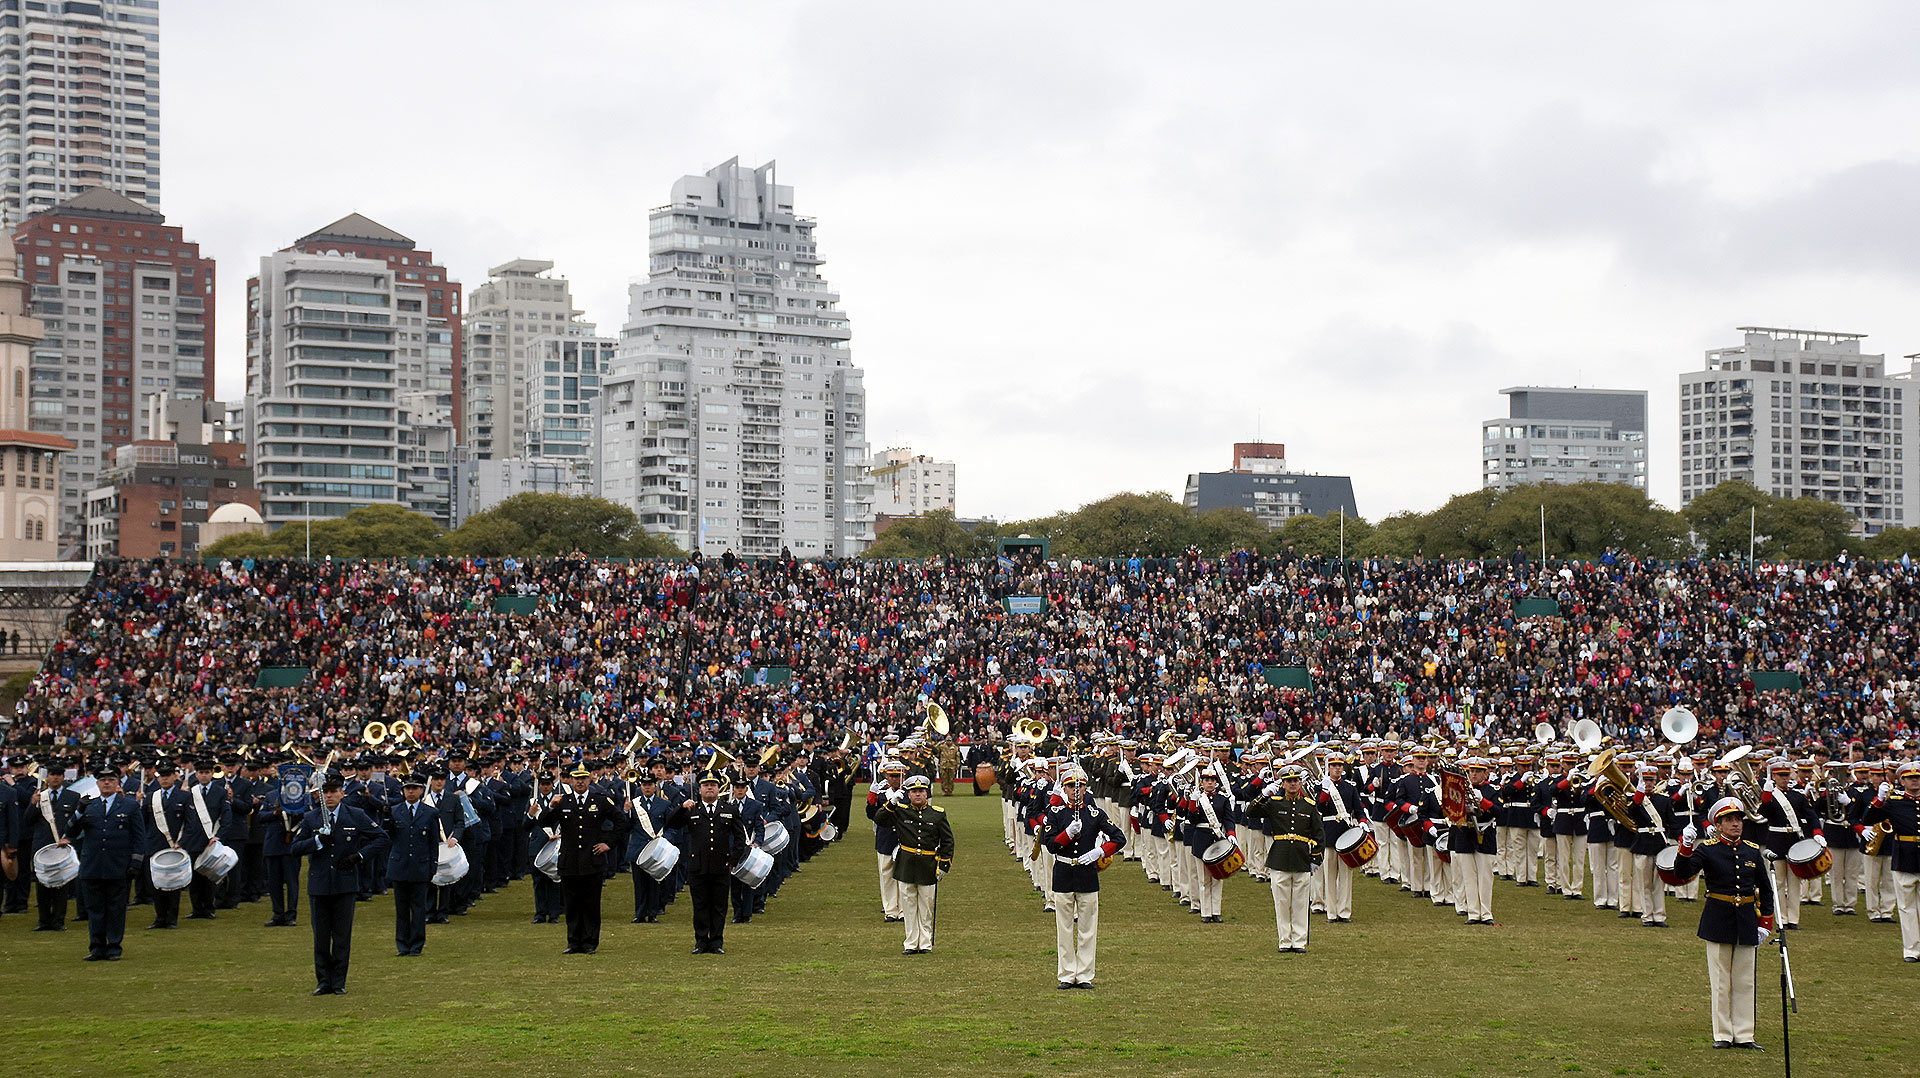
x: 734, y: 418
x: 1802, y: 414
x: 516, y: 306
x: 83, y: 103
x: 1556, y: 434
x: 322, y: 385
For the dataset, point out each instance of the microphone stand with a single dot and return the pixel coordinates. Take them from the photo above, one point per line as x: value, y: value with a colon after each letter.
x: 1788, y: 1004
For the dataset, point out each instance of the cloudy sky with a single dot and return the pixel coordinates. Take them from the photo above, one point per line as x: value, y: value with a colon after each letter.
x: 1086, y: 247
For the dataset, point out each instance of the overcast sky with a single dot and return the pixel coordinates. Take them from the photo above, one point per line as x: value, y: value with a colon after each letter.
x: 1086, y: 247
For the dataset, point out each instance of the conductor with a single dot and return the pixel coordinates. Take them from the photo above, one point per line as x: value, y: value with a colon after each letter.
x: 591, y: 825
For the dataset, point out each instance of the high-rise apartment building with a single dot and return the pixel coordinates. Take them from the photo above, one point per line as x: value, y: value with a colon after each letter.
x: 29, y: 458
x: 157, y: 494
x: 127, y: 301
x: 81, y: 105
x: 1802, y: 414
x: 352, y: 369
x: 735, y: 418
x: 908, y: 484
x: 1566, y: 435
x: 516, y: 306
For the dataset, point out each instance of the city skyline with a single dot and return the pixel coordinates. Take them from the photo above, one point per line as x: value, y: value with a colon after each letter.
x: 1566, y: 200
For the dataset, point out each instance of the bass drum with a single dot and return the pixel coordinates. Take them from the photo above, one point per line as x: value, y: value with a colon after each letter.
x: 753, y: 868
x: 547, y: 861
x: 451, y: 867
x: 774, y: 837
x: 1356, y: 846
x: 56, y: 866
x: 657, y: 858
x: 983, y: 776
x: 216, y: 861
x: 1223, y: 858
x: 1808, y: 859
x: 170, y: 870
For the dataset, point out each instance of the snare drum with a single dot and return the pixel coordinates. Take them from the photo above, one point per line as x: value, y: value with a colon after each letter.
x: 216, y: 861
x: 56, y: 866
x: 1666, y: 864
x: 1356, y: 846
x: 1224, y: 858
x: 547, y: 861
x: 170, y: 869
x: 774, y: 837
x: 451, y: 866
x: 753, y: 868
x: 657, y: 858
x: 1808, y: 859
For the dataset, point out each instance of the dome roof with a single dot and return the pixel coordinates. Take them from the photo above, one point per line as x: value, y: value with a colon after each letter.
x: 235, y: 513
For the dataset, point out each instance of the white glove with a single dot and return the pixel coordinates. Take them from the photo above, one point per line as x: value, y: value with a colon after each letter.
x: 1089, y: 857
x: 1691, y: 835
x: 1886, y: 788
x: 1845, y: 799
x: 1822, y: 840
x: 1073, y: 828
x: 1768, y: 787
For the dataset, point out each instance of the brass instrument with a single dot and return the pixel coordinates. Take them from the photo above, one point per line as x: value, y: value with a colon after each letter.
x: 374, y: 734
x: 1679, y: 726
x: 1876, y: 837
x: 1034, y: 730
x: 769, y: 756
x: 1586, y: 735
x: 1740, y: 781
x: 936, y: 724
x: 720, y: 758
x: 1610, y: 787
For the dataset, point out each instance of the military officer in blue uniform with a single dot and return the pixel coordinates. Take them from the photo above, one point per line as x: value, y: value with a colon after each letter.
x: 336, y: 838
x: 1738, y: 906
x: 280, y: 867
x: 651, y: 810
x: 747, y: 901
x: 169, y: 808
x: 203, y: 790
x: 413, y: 827
x: 112, y: 835
x: 591, y: 827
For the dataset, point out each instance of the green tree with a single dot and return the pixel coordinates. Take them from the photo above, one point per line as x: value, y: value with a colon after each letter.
x: 556, y: 524
x: 1397, y: 536
x: 1461, y: 528
x: 1799, y: 528
x: 1219, y: 531
x: 371, y: 531
x: 934, y: 535
x: 1892, y: 543
x: 1320, y: 536
x: 1124, y: 524
x: 1584, y: 520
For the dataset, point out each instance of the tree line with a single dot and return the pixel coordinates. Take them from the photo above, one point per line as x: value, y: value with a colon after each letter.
x: 524, y: 525
x: 1581, y: 521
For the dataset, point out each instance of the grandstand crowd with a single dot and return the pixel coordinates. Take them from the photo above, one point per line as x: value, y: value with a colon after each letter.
x: 167, y: 652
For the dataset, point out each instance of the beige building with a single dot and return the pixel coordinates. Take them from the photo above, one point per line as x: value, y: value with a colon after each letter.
x: 29, y: 459
x: 503, y: 378
x: 908, y: 484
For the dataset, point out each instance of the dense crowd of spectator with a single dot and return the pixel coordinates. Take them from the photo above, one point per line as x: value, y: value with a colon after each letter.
x: 167, y: 652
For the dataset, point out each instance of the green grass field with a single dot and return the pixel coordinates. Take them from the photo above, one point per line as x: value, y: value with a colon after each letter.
x: 818, y: 986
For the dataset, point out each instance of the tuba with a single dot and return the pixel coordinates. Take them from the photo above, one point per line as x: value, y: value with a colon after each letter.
x: 1740, y: 780
x: 1679, y: 726
x: 936, y: 724
x: 375, y: 734
x: 1610, y: 787
x: 1585, y: 735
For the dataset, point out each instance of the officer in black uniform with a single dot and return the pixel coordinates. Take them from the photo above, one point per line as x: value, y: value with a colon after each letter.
x: 591, y: 827
x: 1739, y: 904
x: 716, y: 840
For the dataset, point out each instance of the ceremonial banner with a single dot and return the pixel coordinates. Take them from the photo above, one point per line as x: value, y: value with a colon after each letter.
x: 295, y: 780
x: 1453, y: 797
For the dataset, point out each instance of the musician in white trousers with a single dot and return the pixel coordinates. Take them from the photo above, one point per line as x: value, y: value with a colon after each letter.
x: 884, y: 841
x: 1293, y: 820
x: 1341, y: 809
x: 1209, y: 819
x: 1080, y: 838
